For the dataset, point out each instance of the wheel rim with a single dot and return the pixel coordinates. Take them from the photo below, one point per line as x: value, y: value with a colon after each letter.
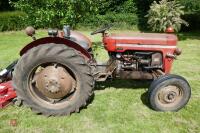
x: 169, y: 96
x: 52, y: 84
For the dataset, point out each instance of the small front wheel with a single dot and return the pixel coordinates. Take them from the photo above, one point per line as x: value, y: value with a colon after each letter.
x: 169, y: 93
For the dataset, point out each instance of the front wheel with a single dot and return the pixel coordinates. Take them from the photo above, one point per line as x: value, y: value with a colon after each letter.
x: 53, y: 79
x: 169, y: 93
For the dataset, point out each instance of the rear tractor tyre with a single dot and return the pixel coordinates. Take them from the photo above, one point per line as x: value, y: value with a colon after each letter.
x: 169, y: 93
x: 53, y: 79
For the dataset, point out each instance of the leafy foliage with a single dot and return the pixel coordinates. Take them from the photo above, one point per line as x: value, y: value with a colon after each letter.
x: 91, y: 13
x: 191, y: 6
x: 116, y: 6
x: 121, y: 13
x: 192, y: 14
x: 119, y: 20
x: 55, y: 13
x: 164, y: 14
x: 12, y: 20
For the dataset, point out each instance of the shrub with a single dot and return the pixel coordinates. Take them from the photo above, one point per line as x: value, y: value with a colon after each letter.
x: 164, y: 14
x: 192, y: 14
x: 12, y: 21
x: 55, y: 13
x: 118, y: 20
x: 122, y: 6
x: 191, y: 6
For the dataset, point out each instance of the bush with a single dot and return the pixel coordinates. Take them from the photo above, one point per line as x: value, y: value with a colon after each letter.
x: 192, y: 14
x: 122, y: 6
x: 118, y: 20
x: 165, y: 14
x: 124, y: 14
x: 55, y: 13
x: 191, y: 6
x: 12, y: 21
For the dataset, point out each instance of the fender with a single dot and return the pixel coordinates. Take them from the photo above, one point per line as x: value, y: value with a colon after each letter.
x: 56, y: 40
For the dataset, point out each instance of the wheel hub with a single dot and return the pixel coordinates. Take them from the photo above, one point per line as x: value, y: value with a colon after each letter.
x: 53, y: 86
x: 54, y: 82
x: 169, y: 95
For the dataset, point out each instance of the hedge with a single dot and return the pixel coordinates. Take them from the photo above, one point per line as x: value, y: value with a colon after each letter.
x: 12, y: 21
x: 118, y: 20
x: 17, y: 20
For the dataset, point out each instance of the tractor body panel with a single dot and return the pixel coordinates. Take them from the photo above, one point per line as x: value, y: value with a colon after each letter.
x: 146, y: 42
x: 81, y: 38
x: 138, y: 39
x: 56, y: 40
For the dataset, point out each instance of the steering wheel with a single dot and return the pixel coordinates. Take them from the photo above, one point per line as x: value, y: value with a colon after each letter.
x: 102, y: 30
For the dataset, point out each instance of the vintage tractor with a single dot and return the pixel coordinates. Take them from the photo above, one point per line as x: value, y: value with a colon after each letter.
x: 55, y: 75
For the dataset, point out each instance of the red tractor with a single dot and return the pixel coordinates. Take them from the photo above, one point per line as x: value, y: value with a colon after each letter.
x: 55, y: 75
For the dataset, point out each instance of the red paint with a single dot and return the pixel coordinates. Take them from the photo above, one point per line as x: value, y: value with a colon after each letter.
x: 164, y: 43
x: 57, y: 41
x: 169, y: 30
x: 6, y: 93
x: 143, y: 38
x: 80, y: 37
x: 77, y: 35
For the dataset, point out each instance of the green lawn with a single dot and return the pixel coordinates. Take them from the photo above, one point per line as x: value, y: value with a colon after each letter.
x: 119, y: 106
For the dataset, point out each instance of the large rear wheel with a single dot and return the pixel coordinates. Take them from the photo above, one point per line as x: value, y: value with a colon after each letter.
x: 53, y: 79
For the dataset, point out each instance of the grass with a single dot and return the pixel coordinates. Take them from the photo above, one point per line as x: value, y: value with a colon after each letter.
x: 119, y: 106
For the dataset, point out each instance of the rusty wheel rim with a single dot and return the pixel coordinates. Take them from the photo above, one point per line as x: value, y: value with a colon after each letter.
x: 169, y: 96
x: 52, y: 84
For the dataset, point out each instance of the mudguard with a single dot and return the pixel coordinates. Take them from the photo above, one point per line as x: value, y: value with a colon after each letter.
x: 56, y: 41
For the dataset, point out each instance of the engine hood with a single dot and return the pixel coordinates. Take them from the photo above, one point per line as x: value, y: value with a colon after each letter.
x: 144, y: 38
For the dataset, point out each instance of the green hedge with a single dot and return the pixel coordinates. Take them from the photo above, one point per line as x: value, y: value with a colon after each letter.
x: 17, y: 21
x: 118, y: 20
x: 12, y: 20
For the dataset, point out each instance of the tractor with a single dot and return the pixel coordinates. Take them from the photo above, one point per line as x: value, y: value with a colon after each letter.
x: 55, y: 75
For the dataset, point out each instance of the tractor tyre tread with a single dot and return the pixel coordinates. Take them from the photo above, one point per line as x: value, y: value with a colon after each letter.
x: 62, y: 51
x: 162, y: 81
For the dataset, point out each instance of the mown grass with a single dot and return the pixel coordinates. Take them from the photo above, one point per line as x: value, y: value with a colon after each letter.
x: 119, y: 106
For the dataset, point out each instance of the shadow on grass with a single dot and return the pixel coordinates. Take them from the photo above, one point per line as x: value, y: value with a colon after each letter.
x: 126, y: 84
x: 145, y: 100
x: 123, y: 84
